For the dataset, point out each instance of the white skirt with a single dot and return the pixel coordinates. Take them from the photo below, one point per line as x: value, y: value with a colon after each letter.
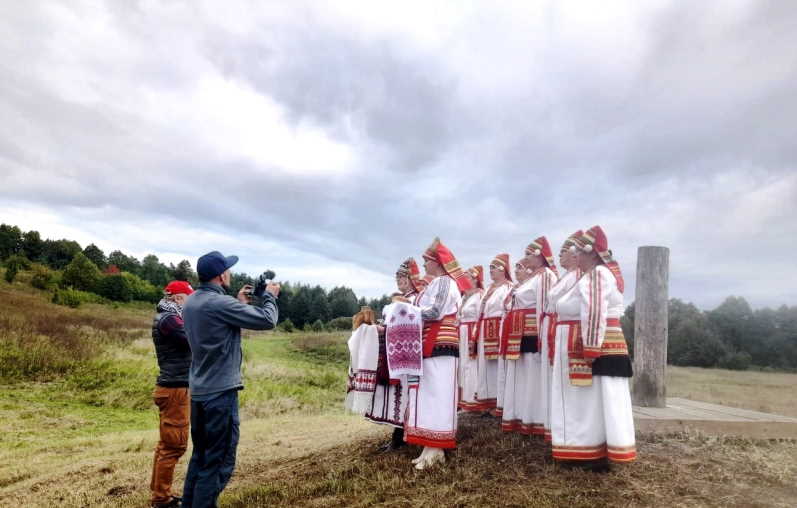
x: 487, y: 391
x: 515, y: 393
x: 530, y: 405
x: 589, y: 422
x: 468, y: 375
x: 546, y: 370
x: 432, y: 405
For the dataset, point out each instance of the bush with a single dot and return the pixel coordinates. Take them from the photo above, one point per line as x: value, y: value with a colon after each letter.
x: 318, y: 326
x: 141, y: 289
x: 736, y: 361
x: 18, y: 262
x: 81, y: 274
x: 286, y: 326
x: 11, y: 274
x: 73, y: 297
x: 115, y: 287
x: 43, y: 277
x: 339, y: 323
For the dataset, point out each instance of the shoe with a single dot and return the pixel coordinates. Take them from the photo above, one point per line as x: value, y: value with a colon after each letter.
x: 433, y: 457
x: 422, y: 456
x: 175, y: 502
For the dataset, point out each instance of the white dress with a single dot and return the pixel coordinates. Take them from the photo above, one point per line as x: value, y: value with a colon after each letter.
x: 523, y: 409
x: 488, y: 359
x: 590, y: 419
x: 563, y: 285
x: 468, y: 366
x: 432, y: 402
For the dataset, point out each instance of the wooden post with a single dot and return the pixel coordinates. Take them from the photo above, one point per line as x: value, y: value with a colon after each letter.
x: 650, y: 327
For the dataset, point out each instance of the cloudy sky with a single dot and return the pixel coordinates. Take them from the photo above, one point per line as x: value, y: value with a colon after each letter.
x: 329, y: 143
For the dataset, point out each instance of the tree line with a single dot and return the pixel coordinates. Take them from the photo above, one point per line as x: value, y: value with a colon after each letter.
x: 78, y: 274
x: 731, y: 336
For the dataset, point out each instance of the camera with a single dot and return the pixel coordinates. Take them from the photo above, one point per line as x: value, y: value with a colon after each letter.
x: 262, y: 281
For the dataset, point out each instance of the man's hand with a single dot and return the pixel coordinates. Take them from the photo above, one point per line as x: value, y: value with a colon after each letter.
x: 273, y: 288
x: 243, y: 294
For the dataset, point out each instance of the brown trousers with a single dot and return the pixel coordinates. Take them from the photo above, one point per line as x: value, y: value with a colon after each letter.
x: 174, y: 405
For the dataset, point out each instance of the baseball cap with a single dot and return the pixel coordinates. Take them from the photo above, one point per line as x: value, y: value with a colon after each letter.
x: 212, y: 264
x: 178, y: 286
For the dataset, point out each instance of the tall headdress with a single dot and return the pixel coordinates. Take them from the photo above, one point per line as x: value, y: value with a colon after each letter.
x: 440, y: 253
x: 595, y: 239
x: 409, y: 268
x: 541, y: 247
x: 477, y: 272
x: 502, y: 260
x: 571, y: 240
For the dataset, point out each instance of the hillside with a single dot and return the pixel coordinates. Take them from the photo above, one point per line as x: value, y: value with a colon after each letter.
x: 77, y: 428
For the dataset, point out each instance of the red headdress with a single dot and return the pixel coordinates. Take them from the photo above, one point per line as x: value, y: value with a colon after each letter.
x: 595, y: 239
x: 409, y: 268
x: 502, y: 260
x: 571, y: 240
x: 541, y: 247
x: 441, y: 254
x: 477, y: 272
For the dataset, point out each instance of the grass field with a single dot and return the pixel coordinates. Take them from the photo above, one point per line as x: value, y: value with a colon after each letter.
x: 77, y: 428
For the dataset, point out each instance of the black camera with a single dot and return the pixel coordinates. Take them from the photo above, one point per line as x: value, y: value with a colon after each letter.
x: 263, y: 280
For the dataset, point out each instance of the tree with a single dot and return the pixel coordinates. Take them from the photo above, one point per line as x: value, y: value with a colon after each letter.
x: 32, y: 246
x: 183, y: 271
x: 81, y: 274
x: 319, y: 305
x: 154, y: 271
x: 300, y: 306
x: 733, y: 321
x: 124, y: 262
x: 10, y: 240
x: 115, y: 287
x: 59, y: 253
x: 342, y: 302
x: 96, y: 255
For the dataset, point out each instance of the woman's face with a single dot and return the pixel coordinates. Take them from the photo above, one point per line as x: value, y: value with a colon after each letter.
x: 403, y: 284
x: 497, y: 273
x: 566, y: 259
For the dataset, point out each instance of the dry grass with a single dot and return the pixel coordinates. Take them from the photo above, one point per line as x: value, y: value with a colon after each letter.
x: 768, y: 392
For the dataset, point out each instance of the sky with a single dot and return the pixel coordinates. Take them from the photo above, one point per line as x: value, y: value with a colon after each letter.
x: 329, y: 141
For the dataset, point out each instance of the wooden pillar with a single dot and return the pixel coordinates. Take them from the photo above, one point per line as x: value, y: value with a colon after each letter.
x: 650, y: 327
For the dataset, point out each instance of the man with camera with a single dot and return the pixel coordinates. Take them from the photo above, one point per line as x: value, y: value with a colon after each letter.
x: 213, y: 322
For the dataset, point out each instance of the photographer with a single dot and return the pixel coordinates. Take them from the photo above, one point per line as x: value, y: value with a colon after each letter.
x: 213, y: 322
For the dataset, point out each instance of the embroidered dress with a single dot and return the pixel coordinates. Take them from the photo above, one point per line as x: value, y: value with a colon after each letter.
x: 389, y: 401
x: 547, y: 338
x: 363, y: 359
x: 523, y: 410
x: 432, y: 410
x: 468, y: 359
x: 591, y: 416
x: 489, y: 333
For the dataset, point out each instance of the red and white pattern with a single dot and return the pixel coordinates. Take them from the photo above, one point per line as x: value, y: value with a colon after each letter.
x: 403, y: 337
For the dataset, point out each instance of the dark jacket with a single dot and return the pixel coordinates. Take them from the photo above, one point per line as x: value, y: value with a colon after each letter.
x: 171, y: 346
x: 213, y: 322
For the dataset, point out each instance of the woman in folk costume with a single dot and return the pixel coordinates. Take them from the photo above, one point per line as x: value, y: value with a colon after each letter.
x: 523, y: 410
x: 591, y: 418
x: 567, y: 260
x: 432, y: 410
x: 490, y: 316
x: 468, y: 328
x: 389, y: 402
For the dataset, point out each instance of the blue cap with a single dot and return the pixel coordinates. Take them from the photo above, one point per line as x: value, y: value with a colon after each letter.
x: 212, y: 264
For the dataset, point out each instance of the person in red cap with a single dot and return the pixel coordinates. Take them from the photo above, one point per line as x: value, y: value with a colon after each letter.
x: 591, y: 414
x: 523, y: 410
x: 569, y: 277
x: 490, y: 316
x: 432, y: 405
x: 171, y: 390
x: 468, y: 338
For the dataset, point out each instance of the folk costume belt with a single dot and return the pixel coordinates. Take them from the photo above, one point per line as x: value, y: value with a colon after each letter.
x: 472, y: 331
x: 490, y: 330
x: 518, y: 323
x: 551, y: 337
x: 441, y: 338
x: 580, y: 370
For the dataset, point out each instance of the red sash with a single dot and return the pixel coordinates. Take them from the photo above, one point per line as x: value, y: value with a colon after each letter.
x: 551, y: 337
x: 518, y: 323
x: 492, y: 336
x: 442, y: 333
x: 472, y: 331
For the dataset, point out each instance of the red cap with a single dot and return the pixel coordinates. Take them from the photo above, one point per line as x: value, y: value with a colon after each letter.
x: 178, y: 286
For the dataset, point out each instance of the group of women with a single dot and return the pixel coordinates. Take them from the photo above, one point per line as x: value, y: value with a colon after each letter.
x: 540, y: 350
